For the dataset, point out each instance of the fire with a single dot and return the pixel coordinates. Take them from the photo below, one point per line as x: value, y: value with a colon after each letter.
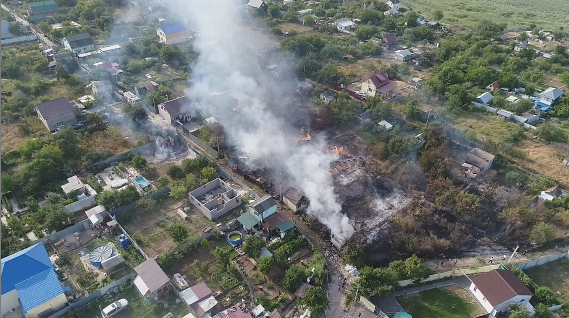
x: 339, y: 150
x: 308, y: 136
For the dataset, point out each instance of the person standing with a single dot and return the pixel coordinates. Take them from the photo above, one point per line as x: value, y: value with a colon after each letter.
x: 491, y: 260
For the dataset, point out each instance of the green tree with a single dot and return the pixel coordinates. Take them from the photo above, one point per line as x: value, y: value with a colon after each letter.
x: 521, y: 106
x: 178, y: 191
x: 308, y: 20
x: 15, y: 29
x: 192, y: 182
x: 175, y: 172
x: 253, y: 245
x: 365, y: 32
x: 377, y: 107
x: 542, y: 233
x: 161, y: 182
x: 178, y: 232
x: 169, y: 53
x: 94, y: 123
x: 316, y: 300
x: 329, y: 74
x: 411, y: 19
x: 67, y: 140
x: 353, y: 253
x: 522, y: 37
x: 518, y: 311
x: 57, y: 218
x: 134, y: 111
x: 208, y: 173
x: 274, y: 11
x: 138, y: 161
x: 266, y: 264
x: 147, y: 205
x: 438, y: 15
x: 551, y: 133
x: 222, y: 255
x: 7, y: 183
x: 294, y: 277
x: 542, y: 311
x: 29, y: 147
x: 564, y: 78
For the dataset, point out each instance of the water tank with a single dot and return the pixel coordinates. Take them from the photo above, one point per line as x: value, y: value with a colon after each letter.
x: 100, y: 254
x: 123, y: 241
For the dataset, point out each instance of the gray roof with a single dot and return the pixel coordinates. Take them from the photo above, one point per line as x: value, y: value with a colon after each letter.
x: 152, y: 275
x: 79, y: 40
x: 264, y: 204
x: 293, y: 195
x: 56, y: 107
x: 255, y: 3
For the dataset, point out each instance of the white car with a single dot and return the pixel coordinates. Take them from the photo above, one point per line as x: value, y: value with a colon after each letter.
x: 114, y: 308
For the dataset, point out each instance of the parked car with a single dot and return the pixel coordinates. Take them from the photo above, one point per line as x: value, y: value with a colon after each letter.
x: 114, y: 308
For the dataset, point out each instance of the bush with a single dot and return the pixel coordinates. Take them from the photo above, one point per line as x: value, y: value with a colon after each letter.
x: 175, y: 172
x: 266, y: 264
x: 542, y: 233
x: 178, y: 232
x: 253, y: 245
x: 551, y: 133
x: 294, y: 277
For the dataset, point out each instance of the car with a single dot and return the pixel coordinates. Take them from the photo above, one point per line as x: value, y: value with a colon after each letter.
x: 78, y: 126
x: 114, y: 308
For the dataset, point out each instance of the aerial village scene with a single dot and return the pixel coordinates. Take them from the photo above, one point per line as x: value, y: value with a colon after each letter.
x: 285, y: 158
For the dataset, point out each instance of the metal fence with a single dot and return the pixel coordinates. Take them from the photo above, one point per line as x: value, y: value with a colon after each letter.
x: 132, y: 241
x: 19, y: 39
x: 542, y: 261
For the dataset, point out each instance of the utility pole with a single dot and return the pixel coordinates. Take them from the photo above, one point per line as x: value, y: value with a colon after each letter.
x: 514, y: 253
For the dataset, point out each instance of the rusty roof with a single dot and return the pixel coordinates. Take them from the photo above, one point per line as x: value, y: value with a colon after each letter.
x: 293, y: 195
x: 275, y: 220
x: 202, y: 291
x: 499, y: 286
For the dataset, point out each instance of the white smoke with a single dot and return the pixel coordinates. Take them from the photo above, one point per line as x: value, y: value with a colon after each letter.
x: 229, y: 60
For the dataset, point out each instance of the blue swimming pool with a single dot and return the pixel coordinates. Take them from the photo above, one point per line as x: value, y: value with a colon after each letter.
x: 142, y: 182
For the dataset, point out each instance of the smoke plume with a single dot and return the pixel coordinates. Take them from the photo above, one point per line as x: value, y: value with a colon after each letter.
x: 232, y: 59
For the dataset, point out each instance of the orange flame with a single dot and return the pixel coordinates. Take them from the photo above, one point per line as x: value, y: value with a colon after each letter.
x: 308, y: 136
x: 339, y: 150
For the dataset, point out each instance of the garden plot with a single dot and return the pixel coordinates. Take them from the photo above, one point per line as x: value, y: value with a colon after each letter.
x: 447, y: 302
x: 554, y: 275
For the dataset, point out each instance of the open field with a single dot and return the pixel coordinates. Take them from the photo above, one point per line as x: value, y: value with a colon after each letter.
x: 448, y: 302
x: 544, y: 159
x: 484, y: 126
x: 110, y: 139
x: 554, y: 275
x: 300, y: 29
x: 547, y: 14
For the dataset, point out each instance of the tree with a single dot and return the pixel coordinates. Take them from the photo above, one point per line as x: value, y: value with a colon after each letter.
x: 518, y: 311
x: 365, y: 32
x: 134, y: 111
x: 57, y: 217
x: 308, y: 20
x: 294, y: 277
x: 161, y: 182
x: 551, y: 133
x: 411, y: 19
x: 545, y: 295
x: 222, y: 255
x: 253, y: 245
x: 315, y: 300
x: 564, y: 78
x: 522, y: 37
x: 273, y: 11
x: 146, y: 205
x: 542, y: 233
x: 266, y: 264
x: 138, y: 162
x: 521, y: 106
x: 377, y: 107
x: 178, y: 232
x: 208, y: 173
x: 329, y: 74
x: 542, y: 311
x: 29, y: 147
x: 191, y: 182
x: 169, y: 53
x: 175, y: 172
x: 68, y: 141
x: 94, y: 123
x: 15, y: 29
x: 7, y: 183
x: 178, y: 191
x: 438, y: 15
x: 353, y: 253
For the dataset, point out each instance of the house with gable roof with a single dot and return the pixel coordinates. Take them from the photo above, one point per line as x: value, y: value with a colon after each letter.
x: 30, y: 284
x: 43, y: 10
x: 173, y: 33
x: 378, y: 84
x: 199, y: 299
x: 57, y: 113
x: 178, y: 109
x: 547, y: 98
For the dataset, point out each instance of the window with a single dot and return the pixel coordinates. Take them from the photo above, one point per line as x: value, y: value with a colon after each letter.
x: 475, y: 289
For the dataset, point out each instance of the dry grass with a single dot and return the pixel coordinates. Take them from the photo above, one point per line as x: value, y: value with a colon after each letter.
x: 110, y: 139
x: 360, y: 70
x: 300, y: 29
x: 554, y: 275
x: 10, y: 137
x: 485, y: 126
x: 544, y: 159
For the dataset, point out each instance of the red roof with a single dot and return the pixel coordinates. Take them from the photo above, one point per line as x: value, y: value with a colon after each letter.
x: 275, y: 220
x: 380, y: 79
x: 499, y: 286
x: 495, y: 85
x: 202, y: 291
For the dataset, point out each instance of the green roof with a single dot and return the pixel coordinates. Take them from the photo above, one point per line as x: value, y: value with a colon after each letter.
x: 286, y: 226
x: 248, y: 220
x: 79, y: 40
x: 44, y: 6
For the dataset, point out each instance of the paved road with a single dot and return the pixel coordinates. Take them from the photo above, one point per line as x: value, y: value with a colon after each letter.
x: 30, y: 26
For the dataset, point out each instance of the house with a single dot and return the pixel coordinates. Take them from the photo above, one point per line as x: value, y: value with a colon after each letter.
x: 199, y: 299
x: 504, y: 114
x: 146, y: 87
x: 215, y: 198
x: 238, y: 310
x: 40, y: 11
x: 512, y: 99
x: 258, y: 4
x: 61, y: 58
x: 403, y: 55
x: 547, y: 98
x: 57, y: 113
x: 497, y: 289
x: 102, y: 89
x: 485, y: 98
x: 390, y: 39
x: 263, y: 207
x: 97, y: 214
x: 85, y: 195
x: 393, y: 6
x: 530, y: 118
x: 493, y: 86
x: 277, y: 223
x: 552, y: 194
x: 5, y: 30
x: 79, y: 43
x: 112, y: 68
x: 327, y: 96
x: 385, y: 125
x: 177, y: 110
x: 173, y: 33
x: 344, y: 25
x: 30, y: 286
x: 151, y: 281
x: 378, y: 84
x: 365, y: 116
x: 478, y: 161
x: 294, y: 199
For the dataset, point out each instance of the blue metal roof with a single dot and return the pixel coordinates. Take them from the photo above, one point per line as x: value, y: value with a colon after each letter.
x: 38, y: 289
x: 541, y: 106
x: 172, y: 28
x: 22, y: 265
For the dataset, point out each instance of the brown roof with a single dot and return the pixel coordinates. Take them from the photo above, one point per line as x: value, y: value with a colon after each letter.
x: 293, y: 195
x: 275, y: 314
x: 152, y: 275
x: 202, y: 291
x: 56, y: 107
x: 177, y: 106
x: 379, y: 79
x: 275, y: 220
x: 499, y: 286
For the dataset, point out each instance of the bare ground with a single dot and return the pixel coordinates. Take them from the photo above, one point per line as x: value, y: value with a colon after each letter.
x: 544, y: 159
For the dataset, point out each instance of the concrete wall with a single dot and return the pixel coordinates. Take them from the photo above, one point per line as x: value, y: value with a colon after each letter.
x: 52, y: 123
x: 478, y: 294
x: 58, y: 235
x: 211, y: 209
x: 9, y: 300
x: 177, y: 37
x: 19, y: 39
x: 55, y: 304
x: 541, y: 261
x: 164, y: 114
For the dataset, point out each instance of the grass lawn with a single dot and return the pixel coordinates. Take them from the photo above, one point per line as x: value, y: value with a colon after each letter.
x: 546, y: 14
x: 554, y: 275
x: 437, y: 303
x: 484, y: 126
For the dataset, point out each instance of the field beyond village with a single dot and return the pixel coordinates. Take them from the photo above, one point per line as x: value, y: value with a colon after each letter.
x: 548, y: 14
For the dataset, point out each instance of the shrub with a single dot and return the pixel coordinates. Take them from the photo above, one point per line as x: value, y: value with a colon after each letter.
x: 178, y: 232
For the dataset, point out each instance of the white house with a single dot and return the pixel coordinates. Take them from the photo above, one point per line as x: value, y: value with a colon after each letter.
x: 485, y: 98
x: 402, y: 55
x: 497, y: 289
x: 552, y: 193
x: 344, y: 25
x: 79, y: 43
x: 385, y: 125
x: 393, y: 6
x: 550, y: 95
x: 177, y: 110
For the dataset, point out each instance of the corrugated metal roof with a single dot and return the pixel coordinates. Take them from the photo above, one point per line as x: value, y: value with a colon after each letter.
x: 264, y: 204
x: 38, y: 289
x: 202, y: 291
x: 293, y: 195
x: 286, y: 226
x: 152, y: 275
x: 248, y: 220
x: 56, y: 107
x: 44, y: 6
x: 173, y: 28
x: 22, y: 265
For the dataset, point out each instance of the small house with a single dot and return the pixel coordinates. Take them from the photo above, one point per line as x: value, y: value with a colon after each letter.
x: 199, y: 299
x: 520, y: 46
x: 493, y: 86
x: 504, y: 114
x: 485, y: 98
x: 215, y: 198
x: 79, y: 43
x: 177, y: 110
x: 385, y: 125
x: 512, y: 99
x: 258, y: 4
x: 102, y: 89
x: 530, y: 118
x: 41, y: 11
x: 58, y: 113
x: 344, y: 25
x: 294, y: 199
x: 403, y: 55
x: 378, y: 84
x: 173, y: 33
x: 497, y: 289
x: 552, y: 193
x: 478, y: 161
x: 151, y: 281
x: 365, y: 116
x: 263, y: 207
x: 547, y: 98
x: 327, y: 97
x: 393, y: 6
x: 390, y: 39
x: 277, y: 223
